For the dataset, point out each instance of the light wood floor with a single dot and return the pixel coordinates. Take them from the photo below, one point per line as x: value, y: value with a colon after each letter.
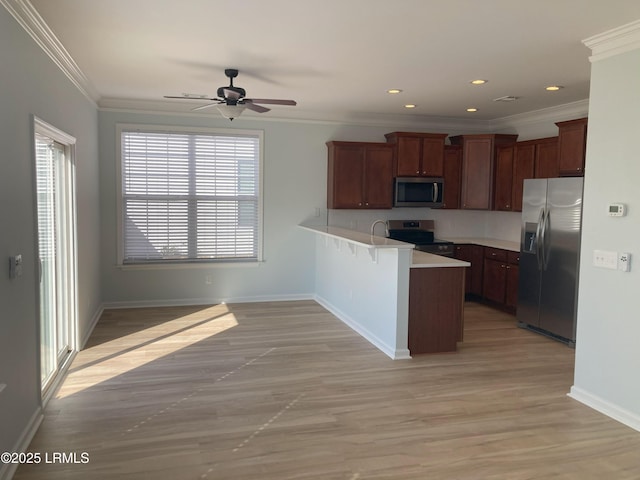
x: 276, y: 391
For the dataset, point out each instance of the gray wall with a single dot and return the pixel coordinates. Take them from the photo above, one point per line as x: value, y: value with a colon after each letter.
x: 607, y: 348
x: 295, y: 185
x: 31, y: 84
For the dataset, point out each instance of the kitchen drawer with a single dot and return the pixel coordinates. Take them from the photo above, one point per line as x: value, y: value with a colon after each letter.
x: 495, y: 254
x: 513, y: 258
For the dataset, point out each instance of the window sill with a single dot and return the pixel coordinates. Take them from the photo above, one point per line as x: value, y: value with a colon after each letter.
x: 188, y: 265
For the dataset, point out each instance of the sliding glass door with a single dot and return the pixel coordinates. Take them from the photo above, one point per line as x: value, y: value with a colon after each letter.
x: 56, y: 249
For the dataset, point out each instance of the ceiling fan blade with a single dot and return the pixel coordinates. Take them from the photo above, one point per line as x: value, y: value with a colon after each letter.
x: 255, y: 108
x: 202, y: 107
x: 271, y: 101
x: 232, y: 94
x: 190, y: 97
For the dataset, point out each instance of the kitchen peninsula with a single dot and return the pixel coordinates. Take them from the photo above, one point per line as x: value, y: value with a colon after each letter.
x: 403, y: 301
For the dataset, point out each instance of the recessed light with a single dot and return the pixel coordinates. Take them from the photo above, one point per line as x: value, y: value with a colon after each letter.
x: 478, y: 82
x: 393, y: 91
x: 409, y: 105
x: 553, y: 88
x: 472, y: 109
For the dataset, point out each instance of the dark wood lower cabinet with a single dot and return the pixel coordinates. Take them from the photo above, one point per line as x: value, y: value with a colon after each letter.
x: 511, y: 294
x: 473, y: 254
x: 436, y: 314
x: 495, y: 281
x: 493, y: 275
x: 500, y: 279
x: 513, y: 272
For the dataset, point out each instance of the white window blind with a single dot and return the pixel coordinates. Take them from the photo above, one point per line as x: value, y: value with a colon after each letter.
x: 189, y: 197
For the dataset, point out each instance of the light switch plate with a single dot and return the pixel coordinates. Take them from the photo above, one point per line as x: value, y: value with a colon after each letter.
x: 605, y: 259
x: 15, y: 266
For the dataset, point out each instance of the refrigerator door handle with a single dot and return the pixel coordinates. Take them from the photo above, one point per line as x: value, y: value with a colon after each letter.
x: 545, y: 239
x: 539, y: 234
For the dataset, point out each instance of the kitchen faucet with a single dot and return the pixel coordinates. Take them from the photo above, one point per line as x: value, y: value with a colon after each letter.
x: 386, y: 227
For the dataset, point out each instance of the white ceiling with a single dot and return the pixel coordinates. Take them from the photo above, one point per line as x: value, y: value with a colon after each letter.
x: 337, y: 58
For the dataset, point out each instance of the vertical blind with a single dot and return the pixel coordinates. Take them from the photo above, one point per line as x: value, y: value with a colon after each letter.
x: 189, y: 197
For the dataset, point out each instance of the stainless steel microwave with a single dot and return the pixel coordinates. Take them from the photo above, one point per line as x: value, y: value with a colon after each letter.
x: 418, y: 192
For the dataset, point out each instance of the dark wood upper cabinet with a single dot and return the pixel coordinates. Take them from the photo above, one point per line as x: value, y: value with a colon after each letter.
x: 546, y: 160
x: 360, y: 175
x: 532, y: 159
x: 418, y: 154
x: 452, y: 176
x: 572, y: 146
x: 523, y: 167
x: 479, y: 168
x: 504, y: 177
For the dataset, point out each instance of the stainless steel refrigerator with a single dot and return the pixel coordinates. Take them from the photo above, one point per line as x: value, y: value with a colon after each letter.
x: 549, y: 256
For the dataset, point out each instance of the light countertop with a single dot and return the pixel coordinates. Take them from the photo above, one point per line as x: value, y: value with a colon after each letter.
x: 420, y: 259
x: 487, y: 242
x: 358, y: 238
x: 428, y: 260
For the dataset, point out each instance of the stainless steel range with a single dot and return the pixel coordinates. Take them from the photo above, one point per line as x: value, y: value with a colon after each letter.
x: 420, y: 233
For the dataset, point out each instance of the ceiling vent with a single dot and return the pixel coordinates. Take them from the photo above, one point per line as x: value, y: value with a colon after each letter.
x: 506, y: 98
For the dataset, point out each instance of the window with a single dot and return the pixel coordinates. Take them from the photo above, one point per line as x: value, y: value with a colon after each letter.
x: 189, y: 196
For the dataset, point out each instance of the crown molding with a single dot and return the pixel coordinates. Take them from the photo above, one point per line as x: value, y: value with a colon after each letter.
x: 568, y: 111
x: 298, y: 115
x: 614, y: 42
x: 544, y: 116
x: 31, y: 21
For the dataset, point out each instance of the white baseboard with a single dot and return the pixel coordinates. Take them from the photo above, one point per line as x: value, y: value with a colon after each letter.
x: 92, y: 325
x: 388, y: 350
x: 182, y: 302
x: 605, y: 407
x: 8, y: 470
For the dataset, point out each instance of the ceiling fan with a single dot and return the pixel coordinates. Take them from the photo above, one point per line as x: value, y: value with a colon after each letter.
x: 231, y: 100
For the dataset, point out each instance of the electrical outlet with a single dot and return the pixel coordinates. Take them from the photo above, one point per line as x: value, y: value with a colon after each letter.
x: 604, y: 259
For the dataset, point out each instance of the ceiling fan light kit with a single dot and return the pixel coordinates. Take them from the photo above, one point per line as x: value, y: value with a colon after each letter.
x: 231, y: 101
x: 230, y: 111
